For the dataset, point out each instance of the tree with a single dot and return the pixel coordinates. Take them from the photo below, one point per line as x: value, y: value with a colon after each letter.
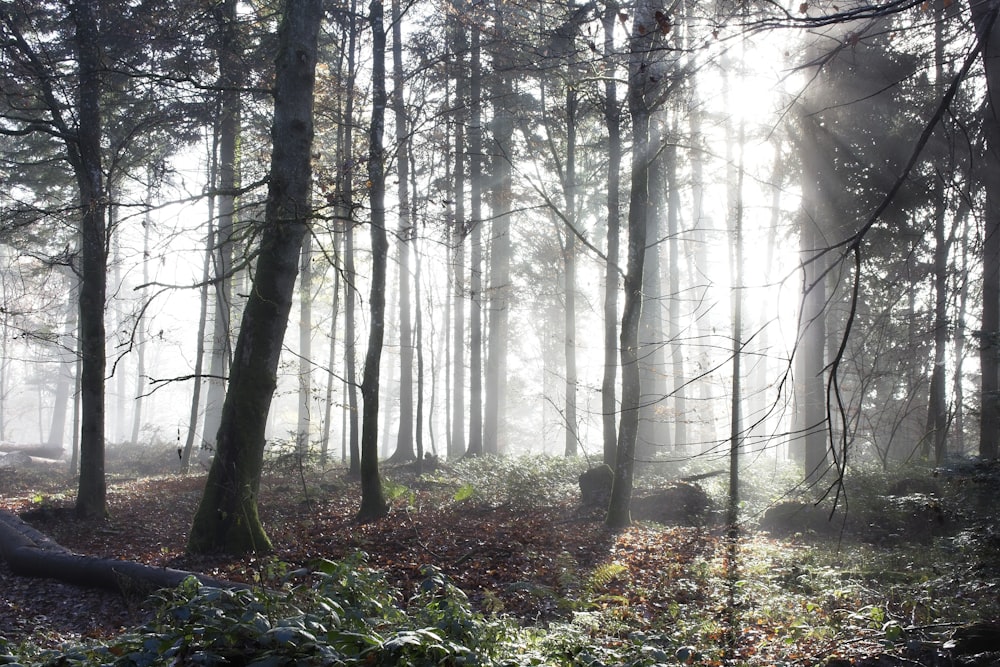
x: 502, y: 200
x: 735, y: 410
x: 984, y: 17
x: 373, y: 503
x: 612, y: 119
x: 226, y: 131
x: 459, y: 232
x: 199, y: 360
x: 937, y: 404
x: 77, y: 124
x: 227, y: 518
x: 406, y: 239
x: 85, y: 156
x: 564, y: 47
x: 645, y: 77
x: 477, y: 187
x: 811, y: 352
x: 305, y: 349
x: 344, y: 211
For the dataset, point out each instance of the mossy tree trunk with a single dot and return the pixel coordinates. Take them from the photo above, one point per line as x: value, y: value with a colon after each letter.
x: 227, y: 518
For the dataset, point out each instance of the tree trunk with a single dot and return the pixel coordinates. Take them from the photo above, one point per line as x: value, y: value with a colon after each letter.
x: 697, y: 252
x: 305, y: 349
x: 677, y: 388
x: 199, y: 357
x: 116, y: 431
x: 811, y: 353
x: 67, y: 374
x: 350, y: 358
x: 228, y: 128
x: 643, y: 77
x: 388, y: 386
x: 984, y: 16
x: 653, y: 434
x: 457, y: 441
x: 91, y: 498
x: 476, y: 188
x: 332, y: 356
x: 140, y: 327
x: 418, y: 332
x: 345, y: 201
x: 404, y: 441
x: 612, y: 119
x: 227, y: 518
x: 373, y: 502
x: 569, y: 276
x: 958, y: 391
x: 735, y: 411
x: 494, y: 416
x: 936, y: 434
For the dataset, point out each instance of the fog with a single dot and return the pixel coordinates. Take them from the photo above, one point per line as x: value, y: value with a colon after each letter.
x: 737, y: 82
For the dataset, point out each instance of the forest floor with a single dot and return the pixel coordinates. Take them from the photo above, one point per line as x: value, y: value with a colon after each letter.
x: 787, y: 601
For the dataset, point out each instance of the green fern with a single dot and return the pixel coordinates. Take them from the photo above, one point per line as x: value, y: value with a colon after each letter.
x: 604, y: 574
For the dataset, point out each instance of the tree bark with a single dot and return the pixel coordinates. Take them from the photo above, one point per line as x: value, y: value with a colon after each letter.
x: 935, y: 438
x: 735, y: 410
x: 140, y: 328
x: 653, y: 435
x: 644, y: 76
x: 228, y: 129
x: 199, y: 358
x: 937, y: 412
x: 811, y: 354
x: 332, y: 356
x: 612, y: 119
x: 476, y: 189
x: 679, y: 437
x: 345, y: 201
x: 350, y: 359
x: 227, y: 518
x: 91, y: 498
x: 494, y: 415
x: 569, y: 275
x: 305, y: 349
x: 373, y: 502
x: 457, y: 440
x: 67, y: 375
x: 404, y: 440
x: 984, y: 17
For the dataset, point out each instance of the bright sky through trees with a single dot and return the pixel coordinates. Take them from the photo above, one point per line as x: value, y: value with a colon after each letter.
x: 752, y: 81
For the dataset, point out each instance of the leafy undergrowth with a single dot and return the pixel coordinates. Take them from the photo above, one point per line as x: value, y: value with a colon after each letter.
x: 491, y: 562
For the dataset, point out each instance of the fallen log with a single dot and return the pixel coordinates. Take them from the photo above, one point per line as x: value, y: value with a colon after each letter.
x: 36, y: 451
x: 30, y: 553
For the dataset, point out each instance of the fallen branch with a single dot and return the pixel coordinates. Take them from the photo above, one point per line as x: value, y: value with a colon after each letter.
x: 30, y: 553
x: 37, y: 451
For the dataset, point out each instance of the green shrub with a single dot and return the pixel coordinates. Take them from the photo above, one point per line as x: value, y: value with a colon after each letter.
x: 522, y: 481
x: 350, y: 616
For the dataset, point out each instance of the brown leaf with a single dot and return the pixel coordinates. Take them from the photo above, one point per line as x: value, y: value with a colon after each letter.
x: 663, y: 22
